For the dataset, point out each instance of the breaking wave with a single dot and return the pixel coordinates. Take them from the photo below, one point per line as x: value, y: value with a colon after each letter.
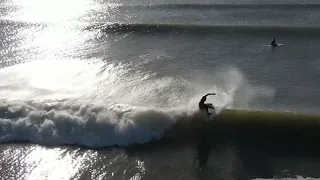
x: 91, y: 125
x: 97, y: 104
x: 86, y: 125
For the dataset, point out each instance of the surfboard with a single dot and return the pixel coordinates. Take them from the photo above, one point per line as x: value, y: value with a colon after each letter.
x: 276, y: 46
x: 212, y: 114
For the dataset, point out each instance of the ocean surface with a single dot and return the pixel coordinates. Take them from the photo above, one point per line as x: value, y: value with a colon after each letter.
x: 98, y: 89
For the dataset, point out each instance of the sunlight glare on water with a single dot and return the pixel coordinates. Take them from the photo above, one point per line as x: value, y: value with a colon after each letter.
x: 48, y: 79
x: 50, y: 10
x: 60, y: 41
x: 54, y: 163
x: 141, y: 170
x: 47, y: 29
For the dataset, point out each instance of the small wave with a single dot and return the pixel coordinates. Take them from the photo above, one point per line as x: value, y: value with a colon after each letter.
x: 223, y: 6
x: 117, y: 28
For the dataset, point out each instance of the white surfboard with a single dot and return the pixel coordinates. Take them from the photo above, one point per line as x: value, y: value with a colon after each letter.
x: 276, y: 46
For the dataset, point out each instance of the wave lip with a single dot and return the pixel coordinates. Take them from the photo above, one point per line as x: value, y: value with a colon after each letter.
x: 117, y: 28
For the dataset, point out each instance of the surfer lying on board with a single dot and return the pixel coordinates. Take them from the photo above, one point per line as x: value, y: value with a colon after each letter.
x: 203, y: 106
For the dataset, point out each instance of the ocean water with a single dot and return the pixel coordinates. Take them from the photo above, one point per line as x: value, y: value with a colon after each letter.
x: 97, y: 89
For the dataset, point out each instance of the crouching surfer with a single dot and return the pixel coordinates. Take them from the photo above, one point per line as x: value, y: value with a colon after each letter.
x: 205, y: 107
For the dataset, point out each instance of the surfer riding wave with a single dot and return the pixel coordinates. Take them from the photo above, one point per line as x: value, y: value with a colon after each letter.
x: 205, y: 106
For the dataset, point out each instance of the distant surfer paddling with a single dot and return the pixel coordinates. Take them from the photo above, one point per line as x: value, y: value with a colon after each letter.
x: 203, y: 106
x: 273, y: 43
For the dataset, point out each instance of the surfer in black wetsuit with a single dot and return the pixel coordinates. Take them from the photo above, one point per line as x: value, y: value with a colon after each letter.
x: 273, y: 43
x: 203, y: 106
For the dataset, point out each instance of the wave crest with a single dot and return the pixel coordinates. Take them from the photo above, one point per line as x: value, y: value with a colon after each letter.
x: 118, y: 28
x: 87, y: 125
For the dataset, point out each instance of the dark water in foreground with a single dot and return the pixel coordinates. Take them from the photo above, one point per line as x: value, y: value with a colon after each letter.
x: 221, y: 149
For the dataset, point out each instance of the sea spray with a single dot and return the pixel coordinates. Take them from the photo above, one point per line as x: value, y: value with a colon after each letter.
x: 98, y: 104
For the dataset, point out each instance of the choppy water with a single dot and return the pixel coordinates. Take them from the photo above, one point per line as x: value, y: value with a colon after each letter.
x: 102, y: 73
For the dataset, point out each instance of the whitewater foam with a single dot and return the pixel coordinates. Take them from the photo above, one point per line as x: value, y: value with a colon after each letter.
x: 95, y: 104
x: 87, y: 125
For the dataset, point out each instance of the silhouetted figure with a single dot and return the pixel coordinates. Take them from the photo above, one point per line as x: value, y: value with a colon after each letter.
x: 273, y: 43
x: 203, y: 106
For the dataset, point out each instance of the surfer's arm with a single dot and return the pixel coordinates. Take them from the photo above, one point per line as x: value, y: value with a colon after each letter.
x: 210, y: 94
